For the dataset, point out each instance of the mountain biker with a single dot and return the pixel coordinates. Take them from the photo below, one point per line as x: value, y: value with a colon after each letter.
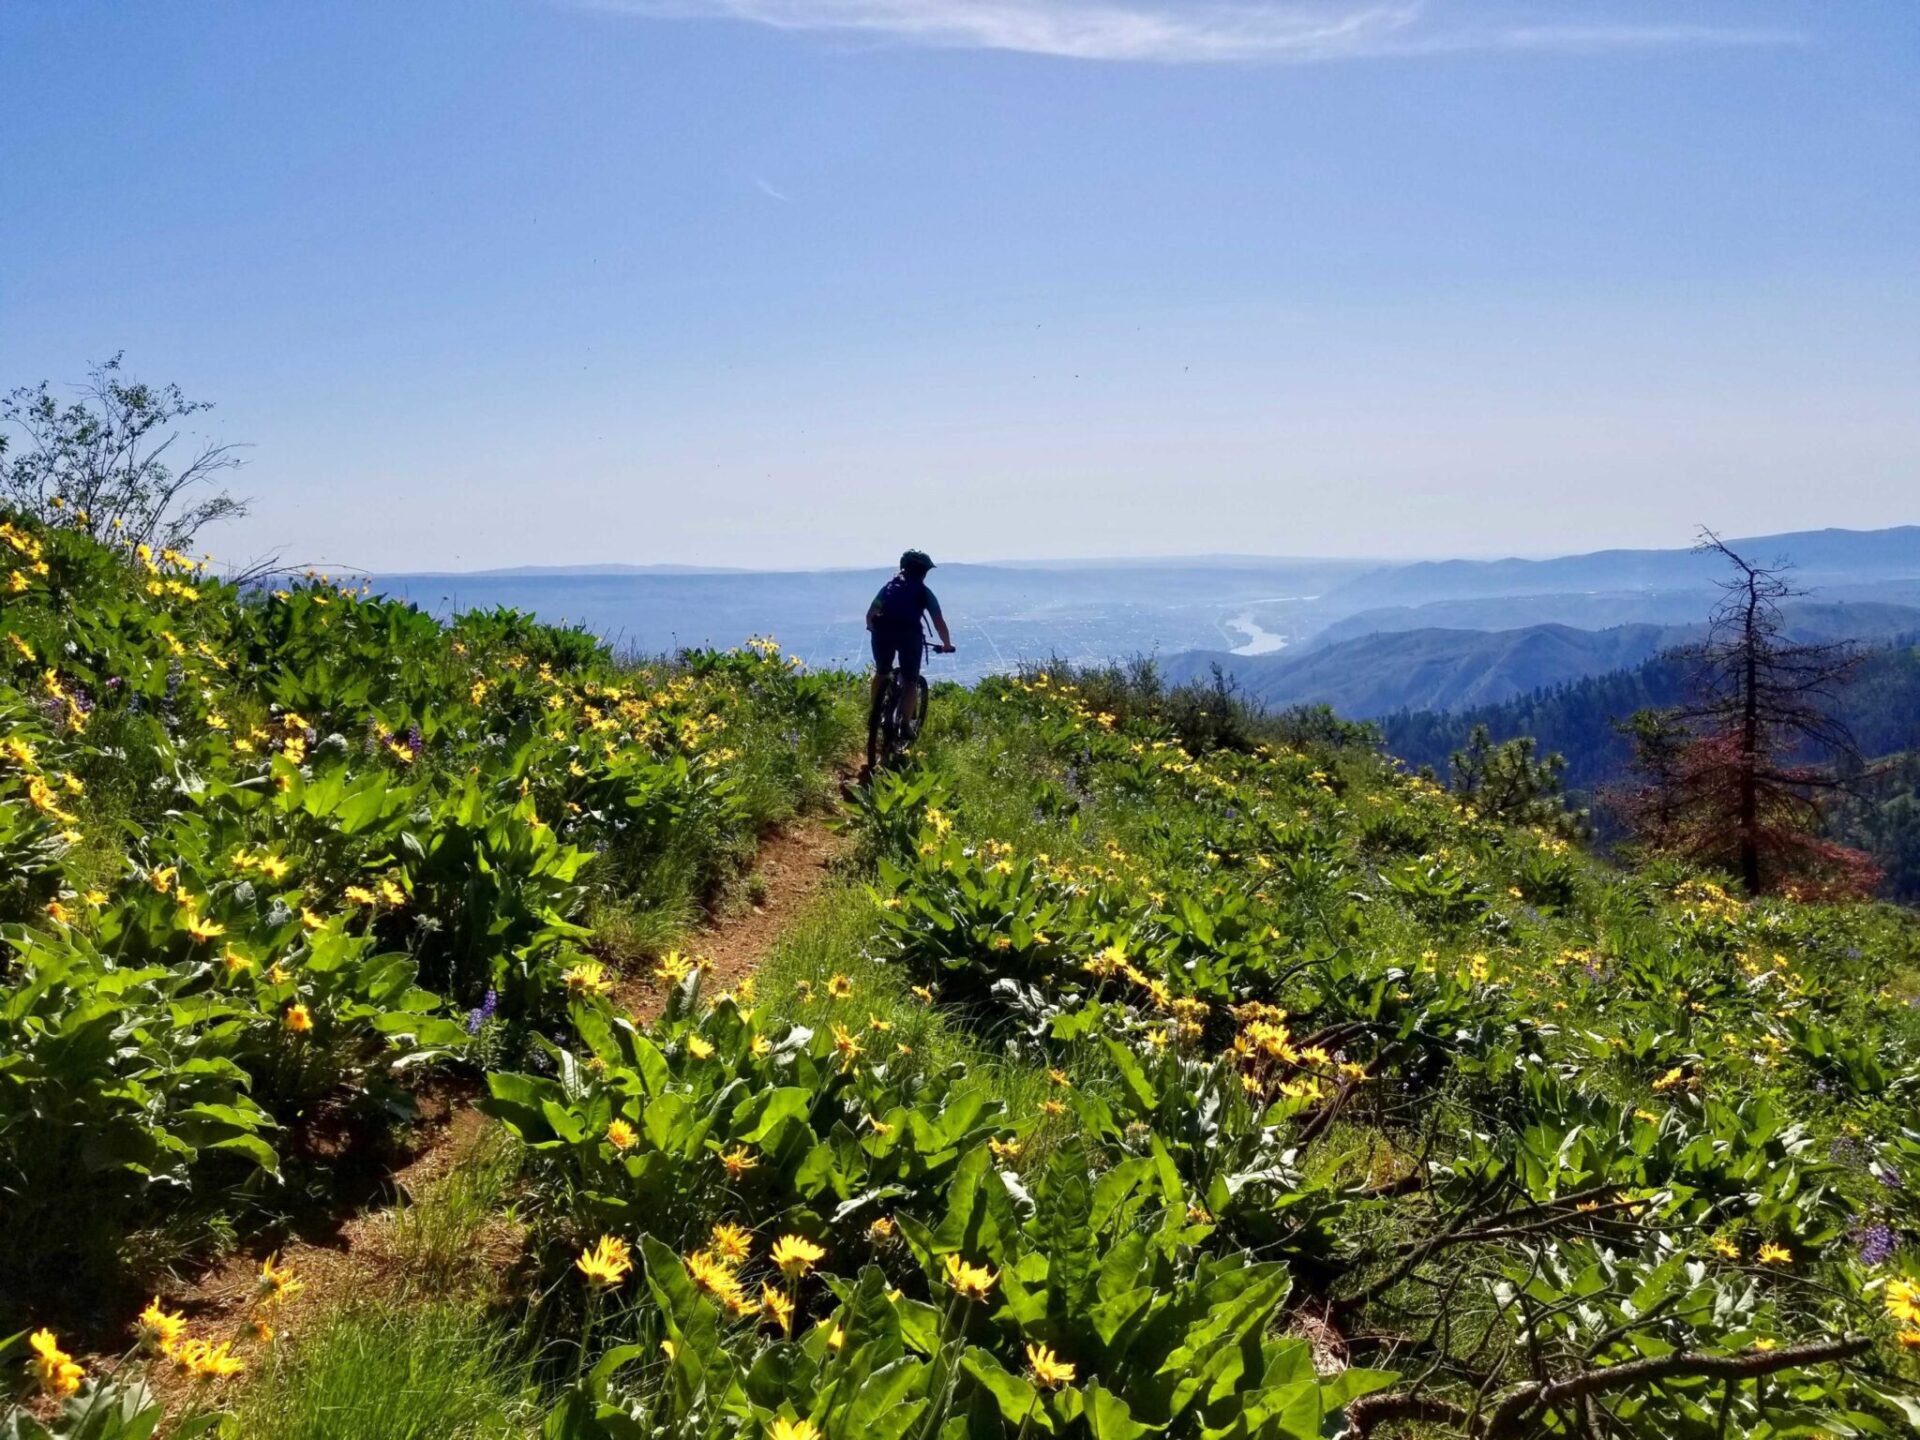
x: 894, y: 621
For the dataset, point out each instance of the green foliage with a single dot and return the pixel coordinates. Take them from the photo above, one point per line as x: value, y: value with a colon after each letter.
x: 262, y: 852
x: 1506, y: 783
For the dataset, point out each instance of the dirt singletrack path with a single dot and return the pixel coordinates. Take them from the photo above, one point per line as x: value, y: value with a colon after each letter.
x: 357, y: 1257
x: 795, y: 862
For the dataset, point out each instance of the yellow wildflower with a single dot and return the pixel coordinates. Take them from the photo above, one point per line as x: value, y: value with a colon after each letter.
x: 849, y: 1048
x: 589, y: 977
x: 605, y: 1263
x: 795, y: 1255
x: 713, y: 1275
x: 1050, y: 1372
x: 207, y: 1360
x: 673, y: 967
x: 778, y: 1306
x: 732, y: 1243
x: 159, y: 1330
x: 1903, y: 1301
x: 298, y: 1019
x: 620, y: 1134
x: 971, y: 1281
x: 276, y: 1281
x: 58, y: 1372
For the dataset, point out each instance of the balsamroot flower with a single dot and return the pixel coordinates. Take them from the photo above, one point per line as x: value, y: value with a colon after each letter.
x: 157, y: 1331
x: 1903, y: 1301
x: 777, y: 1305
x: 715, y: 1276
x: 207, y: 1360
x: 298, y: 1019
x: 59, y: 1373
x: 732, y: 1243
x: 606, y: 1263
x: 795, y: 1255
x: 846, y: 1046
x: 971, y: 1281
x: 276, y: 1281
x: 785, y: 1429
x: 589, y: 977
x: 620, y: 1134
x: 738, y: 1161
x: 1050, y: 1372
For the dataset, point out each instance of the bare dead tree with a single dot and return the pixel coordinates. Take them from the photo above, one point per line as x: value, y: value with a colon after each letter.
x: 1738, y: 776
x: 111, y: 461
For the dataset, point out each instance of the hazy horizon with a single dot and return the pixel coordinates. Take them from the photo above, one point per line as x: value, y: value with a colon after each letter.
x: 1220, y: 559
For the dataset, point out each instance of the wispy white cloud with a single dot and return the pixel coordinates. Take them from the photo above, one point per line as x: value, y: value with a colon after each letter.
x: 1188, y: 31
x: 771, y: 191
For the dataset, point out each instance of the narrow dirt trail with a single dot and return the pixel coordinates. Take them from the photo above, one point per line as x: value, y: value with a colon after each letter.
x: 359, y: 1255
x: 795, y: 863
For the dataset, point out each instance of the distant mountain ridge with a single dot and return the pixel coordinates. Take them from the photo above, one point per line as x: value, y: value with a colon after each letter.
x: 1376, y: 674
x: 1433, y: 669
x: 1817, y: 556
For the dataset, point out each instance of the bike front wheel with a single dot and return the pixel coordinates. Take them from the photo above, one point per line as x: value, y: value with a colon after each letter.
x: 912, y: 723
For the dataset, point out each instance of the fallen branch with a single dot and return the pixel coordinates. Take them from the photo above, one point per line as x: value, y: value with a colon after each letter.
x: 1509, y: 1417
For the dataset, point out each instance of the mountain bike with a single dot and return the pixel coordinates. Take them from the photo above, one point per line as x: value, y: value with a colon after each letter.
x: 895, y: 721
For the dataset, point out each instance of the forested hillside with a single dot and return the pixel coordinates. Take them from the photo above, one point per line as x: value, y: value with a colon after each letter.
x: 1880, y: 707
x: 1149, y: 1070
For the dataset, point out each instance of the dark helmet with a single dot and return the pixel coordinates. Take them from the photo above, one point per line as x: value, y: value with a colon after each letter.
x: 916, y: 562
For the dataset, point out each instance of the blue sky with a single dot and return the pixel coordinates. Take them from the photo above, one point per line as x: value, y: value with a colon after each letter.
x: 796, y: 282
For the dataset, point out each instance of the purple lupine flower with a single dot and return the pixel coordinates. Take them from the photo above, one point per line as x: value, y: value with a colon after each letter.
x: 1876, y: 1242
x: 482, y: 1012
x: 1887, y: 1176
x: 416, y: 742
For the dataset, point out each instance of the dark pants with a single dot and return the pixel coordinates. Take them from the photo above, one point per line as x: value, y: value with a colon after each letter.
x: 898, y: 649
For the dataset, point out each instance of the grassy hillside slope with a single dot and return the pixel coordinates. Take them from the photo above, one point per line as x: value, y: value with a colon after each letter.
x: 1145, y: 1075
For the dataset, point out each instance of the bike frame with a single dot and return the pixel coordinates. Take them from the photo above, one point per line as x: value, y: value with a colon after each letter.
x: 887, y: 728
